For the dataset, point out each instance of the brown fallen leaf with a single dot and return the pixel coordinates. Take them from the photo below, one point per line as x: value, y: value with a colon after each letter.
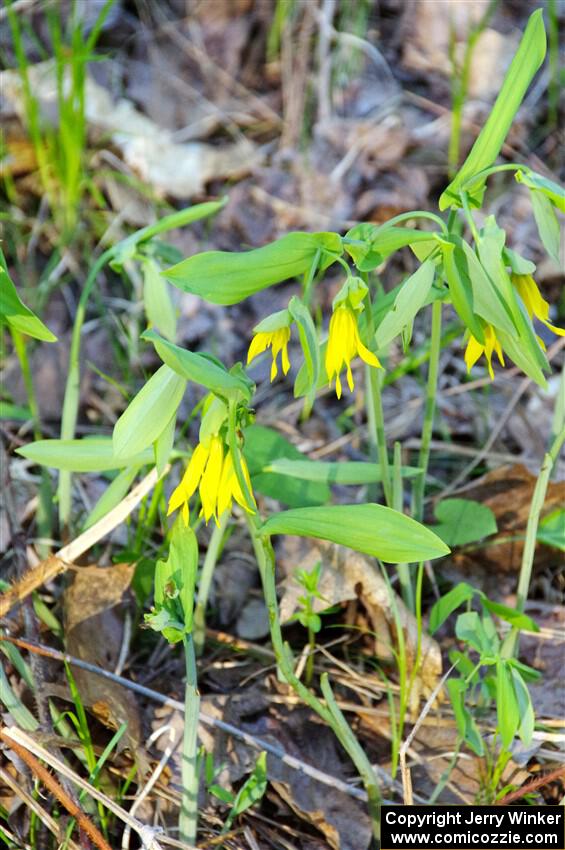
x: 507, y: 491
x: 347, y: 575
x: 94, y: 607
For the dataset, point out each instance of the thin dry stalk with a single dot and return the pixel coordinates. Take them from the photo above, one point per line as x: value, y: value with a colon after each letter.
x: 63, y: 559
x: 52, y: 785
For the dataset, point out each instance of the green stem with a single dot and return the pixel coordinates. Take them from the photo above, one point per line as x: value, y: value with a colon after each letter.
x: 375, y: 413
x: 44, y: 513
x: 125, y: 248
x: 429, y: 412
x: 538, y: 498
x: 408, y: 216
x: 403, y: 570
x: 188, y: 819
x: 212, y: 554
x: 309, y: 672
x: 554, y: 83
x: 266, y: 562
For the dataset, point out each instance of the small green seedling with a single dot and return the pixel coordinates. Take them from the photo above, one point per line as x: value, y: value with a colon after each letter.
x: 306, y: 615
x: 250, y: 792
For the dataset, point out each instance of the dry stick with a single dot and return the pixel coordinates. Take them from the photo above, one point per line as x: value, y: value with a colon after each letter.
x: 206, y: 719
x: 555, y: 349
x: 531, y: 786
x: 85, y: 824
x: 45, y: 818
x: 24, y: 744
x: 405, y: 773
x: 63, y: 559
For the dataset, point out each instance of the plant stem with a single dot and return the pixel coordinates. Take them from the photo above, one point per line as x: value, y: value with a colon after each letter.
x: 212, y: 554
x: 188, y: 819
x: 403, y: 570
x: 375, y: 414
x: 309, y: 672
x: 429, y: 411
x: 538, y: 498
x: 266, y: 562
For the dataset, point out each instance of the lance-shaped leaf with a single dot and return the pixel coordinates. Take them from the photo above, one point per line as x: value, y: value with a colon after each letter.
x: 91, y: 454
x: 507, y: 710
x: 547, y: 224
x: 14, y: 312
x: 127, y: 248
x: 159, y: 308
x: 200, y: 369
x: 410, y: 299
x: 147, y: 416
x: 372, y: 529
x: 549, y: 188
x: 460, y: 286
x: 334, y: 472
x: 528, y: 59
x: 223, y: 277
x: 369, y: 245
x: 488, y: 301
x: 310, y: 346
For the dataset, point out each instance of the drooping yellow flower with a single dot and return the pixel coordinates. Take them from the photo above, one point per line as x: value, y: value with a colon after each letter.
x: 277, y: 341
x: 475, y: 349
x: 534, y: 303
x: 211, y: 470
x: 344, y: 343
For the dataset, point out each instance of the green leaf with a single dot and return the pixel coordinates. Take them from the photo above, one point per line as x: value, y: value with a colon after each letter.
x: 372, y: 529
x: 549, y: 188
x: 224, y: 277
x: 127, y: 248
x: 371, y: 244
x: 200, y: 369
x: 547, y: 224
x: 263, y: 446
x: 330, y: 472
x: 113, y: 495
x: 463, y: 521
x: 159, y: 308
x: 517, y: 263
x: 14, y: 312
x: 410, y: 299
x: 460, y: 285
x: 551, y: 530
x: 507, y: 711
x: 449, y: 603
x: 310, y: 347
x: 470, y: 629
x: 163, y: 445
x: 21, y: 715
x: 91, y: 454
x: 525, y: 708
x: 14, y: 411
x: 510, y: 615
x: 488, y: 302
x: 252, y: 789
x: 528, y: 59
x: 146, y: 417
x: 466, y: 725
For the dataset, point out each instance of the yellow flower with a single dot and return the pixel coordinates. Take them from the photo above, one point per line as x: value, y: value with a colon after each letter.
x: 534, y: 303
x: 277, y: 341
x: 475, y: 349
x: 211, y: 470
x: 344, y: 344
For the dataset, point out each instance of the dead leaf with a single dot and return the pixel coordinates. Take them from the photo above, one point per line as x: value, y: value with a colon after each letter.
x: 347, y: 575
x: 507, y: 491
x: 177, y: 170
x: 94, y: 606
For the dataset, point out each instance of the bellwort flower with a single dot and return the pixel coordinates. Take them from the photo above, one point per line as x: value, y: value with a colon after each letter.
x: 211, y: 470
x: 475, y: 349
x: 533, y: 300
x: 344, y: 343
x: 277, y: 340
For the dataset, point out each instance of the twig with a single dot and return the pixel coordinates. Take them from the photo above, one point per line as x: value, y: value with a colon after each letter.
x: 28, y: 749
x: 531, y: 786
x: 405, y: 773
x: 63, y: 559
x: 31, y: 803
x: 206, y: 719
x: 84, y: 823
